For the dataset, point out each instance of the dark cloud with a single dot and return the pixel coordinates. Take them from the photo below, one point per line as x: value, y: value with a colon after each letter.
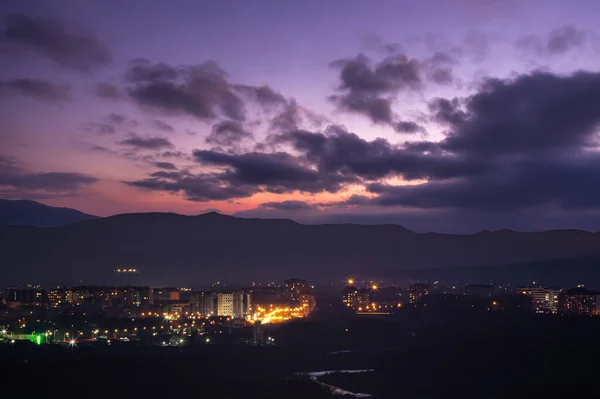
x: 559, y: 41
x: 277, y: 172
x: 35, y: 88
x: 165, y: 127
x: 200, y: 90
x: 171, y: 175
x: 353, y: 200
x: 172, y: 154
x: 442, y: 76
x: 531, y: 112
x: 408, y: 127
x: 292, y: 116
x: 533, y: 141
x: 120, y: 119
x: 289, y: 118
x: 107, y: 91
x: 365, y: 88
x: 446, y: 111
x: 243, y: 176
x: 378, y: 109
x: 147, y: 143
x: 528, y: 142
x: 562, y: 40
x: 394, y: 73
x: 263, y: 95
x: 439, y: 68
x: 346, y: 153
x: 357, y: 200
x: 290, y: 205
x: 227, y: 133
x: 13, y: 176
x: 117, y: 118
x: 369, y: 88
x: 564, y: 183
x: 201, y: 188
x: 142, y: 70
x: 101, y: 128
x: 52, y: 39
x: 165, y: 165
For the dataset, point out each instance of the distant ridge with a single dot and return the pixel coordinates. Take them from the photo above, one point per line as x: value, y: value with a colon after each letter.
x: 32, y: 213
x: 172, y: 249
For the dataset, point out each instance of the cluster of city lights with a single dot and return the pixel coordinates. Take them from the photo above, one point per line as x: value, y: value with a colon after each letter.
x: 127, y: 270
x: 374, y: 286
x: 278, y: 314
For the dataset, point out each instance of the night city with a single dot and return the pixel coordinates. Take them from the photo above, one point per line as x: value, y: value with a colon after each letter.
x: 299, y: 199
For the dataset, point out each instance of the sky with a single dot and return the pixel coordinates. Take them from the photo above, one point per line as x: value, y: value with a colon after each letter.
x: 449, y: 116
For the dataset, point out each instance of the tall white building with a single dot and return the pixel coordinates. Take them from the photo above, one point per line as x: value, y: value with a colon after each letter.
x: 225, y: 304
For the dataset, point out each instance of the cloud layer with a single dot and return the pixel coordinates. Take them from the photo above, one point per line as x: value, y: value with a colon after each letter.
x: 52, y: 39
x: 436, y: 141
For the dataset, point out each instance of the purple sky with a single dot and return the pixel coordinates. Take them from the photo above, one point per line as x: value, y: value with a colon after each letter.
x: 447, y: 116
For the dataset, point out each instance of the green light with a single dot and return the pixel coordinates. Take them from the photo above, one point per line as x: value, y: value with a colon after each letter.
x: 38, y: 339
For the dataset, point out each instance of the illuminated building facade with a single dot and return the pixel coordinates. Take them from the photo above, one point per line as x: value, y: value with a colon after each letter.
x: 308, y: 303
x: 242, y: 304
x: 224, y: 304
x: 294, y: 288
x: 577, y: 301
x: 416, y: 292
x: 165, y: 295
x: 357, y: 299
x: 543, y: 300
x: 349, y: 296
x: 59, y: 297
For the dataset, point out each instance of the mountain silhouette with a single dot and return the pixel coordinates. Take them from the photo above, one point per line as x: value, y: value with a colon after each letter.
x: 32, y: 213
x: 172, y: 249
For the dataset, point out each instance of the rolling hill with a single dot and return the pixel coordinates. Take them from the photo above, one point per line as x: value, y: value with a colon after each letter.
x: 195, y: 250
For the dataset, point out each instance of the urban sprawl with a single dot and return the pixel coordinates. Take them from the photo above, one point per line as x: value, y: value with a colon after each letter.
x: 182, y: 316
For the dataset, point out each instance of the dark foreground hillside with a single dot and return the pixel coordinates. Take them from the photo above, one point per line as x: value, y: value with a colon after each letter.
x: 470, y: 355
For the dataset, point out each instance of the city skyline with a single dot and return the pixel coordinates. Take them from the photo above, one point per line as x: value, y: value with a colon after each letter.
x: 453, y: 117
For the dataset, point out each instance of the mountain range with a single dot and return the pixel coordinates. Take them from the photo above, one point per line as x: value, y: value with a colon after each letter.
x: 32, y: 213
x: 172, y: 249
